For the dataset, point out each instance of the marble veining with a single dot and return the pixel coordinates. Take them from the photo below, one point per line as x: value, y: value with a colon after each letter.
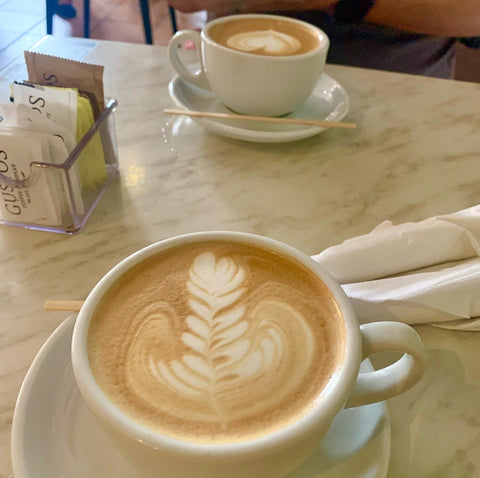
x: 415, y: 154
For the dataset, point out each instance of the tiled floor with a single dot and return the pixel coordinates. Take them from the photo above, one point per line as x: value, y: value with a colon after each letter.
x: 22, y: 24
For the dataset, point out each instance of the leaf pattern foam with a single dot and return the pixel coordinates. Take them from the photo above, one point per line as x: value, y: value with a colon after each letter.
x: 235, y: 358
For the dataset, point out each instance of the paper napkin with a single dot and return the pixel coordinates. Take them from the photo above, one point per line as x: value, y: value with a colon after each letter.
x: 417, y: 272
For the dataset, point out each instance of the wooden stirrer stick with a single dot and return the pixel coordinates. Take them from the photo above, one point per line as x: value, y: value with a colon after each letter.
x: 308, y: 122
x: 68, y: 305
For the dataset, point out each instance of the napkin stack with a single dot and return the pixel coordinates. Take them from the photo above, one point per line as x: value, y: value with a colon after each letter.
x: 423, y: 272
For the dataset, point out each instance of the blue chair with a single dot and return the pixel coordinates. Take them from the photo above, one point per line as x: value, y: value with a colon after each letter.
x: 52, y: 7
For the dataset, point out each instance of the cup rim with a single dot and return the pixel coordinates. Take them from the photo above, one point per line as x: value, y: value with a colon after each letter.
x: 323, y: 46
x: 337, y: 390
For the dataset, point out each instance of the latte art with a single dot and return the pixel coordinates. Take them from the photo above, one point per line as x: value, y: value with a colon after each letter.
x: 268, y: 42
x: 215, y: 342
x: 265, y: 36
x: 230, y: 350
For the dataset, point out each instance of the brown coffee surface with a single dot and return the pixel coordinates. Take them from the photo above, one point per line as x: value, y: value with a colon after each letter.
x: 265, y: 36
x: 216, y: 342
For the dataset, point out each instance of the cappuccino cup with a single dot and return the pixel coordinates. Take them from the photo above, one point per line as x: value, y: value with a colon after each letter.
x: 226, y: 354
x: 264, y: 65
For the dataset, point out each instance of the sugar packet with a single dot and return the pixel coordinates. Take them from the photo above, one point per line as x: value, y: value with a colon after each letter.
x: 21, y: 116
x: 35, y: 201
x: 53, y: 71
x: 58, y: 105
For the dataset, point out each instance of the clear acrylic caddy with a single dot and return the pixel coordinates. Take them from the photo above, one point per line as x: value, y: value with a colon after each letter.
x: 75, y: 201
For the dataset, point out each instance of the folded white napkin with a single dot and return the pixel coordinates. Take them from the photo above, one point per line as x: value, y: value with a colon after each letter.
x: 423, y: 272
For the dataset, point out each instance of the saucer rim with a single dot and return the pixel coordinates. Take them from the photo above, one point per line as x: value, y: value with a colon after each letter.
x: 258, y: 136
x: 22, y: 402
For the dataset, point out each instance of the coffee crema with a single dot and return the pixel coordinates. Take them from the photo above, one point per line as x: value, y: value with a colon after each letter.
x: 265, y: 36
x: 216, y: 342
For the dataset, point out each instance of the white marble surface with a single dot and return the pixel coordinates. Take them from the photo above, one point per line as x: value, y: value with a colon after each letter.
x: 415, y: 154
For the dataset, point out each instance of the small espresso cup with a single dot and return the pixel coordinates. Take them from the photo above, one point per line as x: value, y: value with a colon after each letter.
x: 264, y: 65
x: 226, y: 354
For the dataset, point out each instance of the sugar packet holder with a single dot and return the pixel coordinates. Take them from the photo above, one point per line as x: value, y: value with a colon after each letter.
x: 59, y: 196
x: 74, y: 206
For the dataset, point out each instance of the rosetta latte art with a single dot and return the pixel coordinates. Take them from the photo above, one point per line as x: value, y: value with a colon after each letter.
x: 269, y: 42
x: 233, y: 358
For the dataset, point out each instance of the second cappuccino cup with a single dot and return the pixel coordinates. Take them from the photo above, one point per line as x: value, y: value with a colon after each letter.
x: 263, y: 65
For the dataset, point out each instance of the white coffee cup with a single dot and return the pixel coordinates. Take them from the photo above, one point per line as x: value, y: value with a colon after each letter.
x: 275, y: 454
x: 249, y: 83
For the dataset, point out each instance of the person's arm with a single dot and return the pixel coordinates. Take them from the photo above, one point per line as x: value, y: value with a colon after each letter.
x: 225, y: 7
x: 451, y: 18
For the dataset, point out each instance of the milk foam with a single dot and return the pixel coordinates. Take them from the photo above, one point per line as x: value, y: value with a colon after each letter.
x: 216, y: 344
x: 228, y: 349
x: 269, y: 42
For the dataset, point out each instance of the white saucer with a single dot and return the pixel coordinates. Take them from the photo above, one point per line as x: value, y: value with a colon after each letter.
x: 329, y: 101
x: 55, y: 435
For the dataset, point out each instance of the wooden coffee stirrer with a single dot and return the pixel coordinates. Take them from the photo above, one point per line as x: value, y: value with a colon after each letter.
x: 269, y: 119
x: 68, y: 305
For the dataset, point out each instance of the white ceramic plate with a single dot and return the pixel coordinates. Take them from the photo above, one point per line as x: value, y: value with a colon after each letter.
x: 55, y: 435
x: 329, y: 101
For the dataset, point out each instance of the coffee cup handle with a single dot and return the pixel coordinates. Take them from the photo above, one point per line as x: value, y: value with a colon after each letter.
x: 396, y: 378
x: 196, y: 78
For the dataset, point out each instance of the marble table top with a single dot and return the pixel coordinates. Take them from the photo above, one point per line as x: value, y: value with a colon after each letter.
x: 415, y: 154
